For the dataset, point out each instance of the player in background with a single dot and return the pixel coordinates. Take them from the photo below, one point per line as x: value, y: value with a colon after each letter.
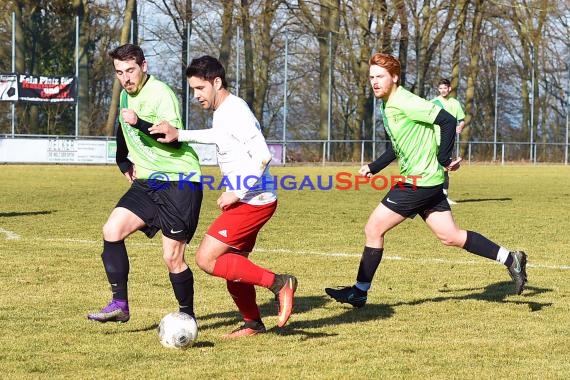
x: 245, y: 207
x: 451, y: 105
x: 149, y: 205
x: 409, y: 121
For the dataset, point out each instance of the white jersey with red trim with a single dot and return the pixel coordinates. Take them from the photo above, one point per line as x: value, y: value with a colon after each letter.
x: 243, y: 155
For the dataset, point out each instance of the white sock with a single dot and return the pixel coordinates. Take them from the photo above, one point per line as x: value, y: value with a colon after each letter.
x: 364, y: 286
x: 503, y: 255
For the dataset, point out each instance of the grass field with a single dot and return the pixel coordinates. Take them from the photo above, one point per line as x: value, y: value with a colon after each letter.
x: 433, y: 311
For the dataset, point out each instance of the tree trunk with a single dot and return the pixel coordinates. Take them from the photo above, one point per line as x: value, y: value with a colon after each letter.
x: 459, y: 38
x: 261, y: 82
x: 247, y: 88
x: 474, y: 51
x: 187, y: 31
x: 227, y: 34
x: 130, y: 10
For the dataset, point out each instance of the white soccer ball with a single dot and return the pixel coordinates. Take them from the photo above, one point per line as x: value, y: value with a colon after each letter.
x: 177, y: 330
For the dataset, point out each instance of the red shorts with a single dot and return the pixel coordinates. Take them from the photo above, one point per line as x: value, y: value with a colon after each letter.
x: 240, y: 223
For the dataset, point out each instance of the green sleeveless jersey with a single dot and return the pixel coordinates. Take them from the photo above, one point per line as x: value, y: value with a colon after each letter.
x: 153, y: 103
x: 408, y: 120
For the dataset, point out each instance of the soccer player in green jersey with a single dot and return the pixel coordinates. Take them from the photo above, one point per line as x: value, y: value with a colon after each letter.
x: 451, y: 105
x: 165, y: 192
x: 409, y: 121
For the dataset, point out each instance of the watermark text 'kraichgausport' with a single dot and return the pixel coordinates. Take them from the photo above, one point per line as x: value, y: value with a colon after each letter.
x: 339, y: 181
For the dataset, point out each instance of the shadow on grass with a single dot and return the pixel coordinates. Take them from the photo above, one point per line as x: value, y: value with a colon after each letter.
x: 349, y: 315
x: 483, y: 200
x: 497, y: 292
x: 24, y: 213
x: 296, y: 325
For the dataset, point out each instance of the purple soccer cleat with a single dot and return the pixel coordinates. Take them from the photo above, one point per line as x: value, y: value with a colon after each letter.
x: 115, y: 311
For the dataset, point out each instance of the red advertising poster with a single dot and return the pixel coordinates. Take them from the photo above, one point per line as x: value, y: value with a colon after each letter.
x: 38, y: 88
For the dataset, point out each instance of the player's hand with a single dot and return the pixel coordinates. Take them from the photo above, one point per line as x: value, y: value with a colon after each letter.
x: 227, y: 199
x: 365, y: 171
x: 131, y: 174
x: 170, y: 133
x: 129, y: 116
x: 459, y: 127
x: 454, y: 165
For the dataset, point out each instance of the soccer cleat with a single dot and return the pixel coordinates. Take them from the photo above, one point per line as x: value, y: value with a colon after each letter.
x: 348, y: 294
x: 517, y: 270
x: 249, y: 328
x: 284, y: 297
x: 115, y: 311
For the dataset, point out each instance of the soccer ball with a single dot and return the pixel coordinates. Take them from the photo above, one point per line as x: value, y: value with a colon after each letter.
x: 177, y: 330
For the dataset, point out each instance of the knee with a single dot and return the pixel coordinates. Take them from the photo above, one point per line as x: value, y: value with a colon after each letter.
x: 202, y: 261
x: 372, y: 231
x: 451, y: 240
x: 174, y: 260
x: 112, y: 231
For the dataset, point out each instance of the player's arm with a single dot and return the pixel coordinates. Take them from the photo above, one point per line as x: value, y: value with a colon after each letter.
x: 447, y: 125
x: 169, y: 134
x: 144, y: 126
x: 250, y: 138
x: 381, y: 162
x: 121, y: 156
x: 460, y: 126
x: 253, y: 142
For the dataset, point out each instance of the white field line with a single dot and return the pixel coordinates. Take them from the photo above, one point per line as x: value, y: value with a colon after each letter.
x: 9, y: 234
x: 326, y: 254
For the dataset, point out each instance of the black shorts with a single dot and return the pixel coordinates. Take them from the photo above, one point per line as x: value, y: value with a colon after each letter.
x: 173, y: 209
x: 408, y: 200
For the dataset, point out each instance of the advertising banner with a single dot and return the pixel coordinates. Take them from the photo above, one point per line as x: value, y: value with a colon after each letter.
x: 8, y: 87
x: 39, y: 88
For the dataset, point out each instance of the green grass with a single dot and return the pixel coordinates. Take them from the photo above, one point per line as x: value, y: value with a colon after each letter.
x: 433, y: 312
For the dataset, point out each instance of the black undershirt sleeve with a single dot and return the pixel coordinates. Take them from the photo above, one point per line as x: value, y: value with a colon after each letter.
x: 144, y: 126
x: 121, y: 156
x: 384, y: 160
x: 447, y: 125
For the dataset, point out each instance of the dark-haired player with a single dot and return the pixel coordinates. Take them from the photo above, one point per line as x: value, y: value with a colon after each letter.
x: 149, y: 205
x: 248, y: 202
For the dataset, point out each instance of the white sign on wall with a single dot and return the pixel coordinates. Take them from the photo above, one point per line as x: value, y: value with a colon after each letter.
x: 75, y: 151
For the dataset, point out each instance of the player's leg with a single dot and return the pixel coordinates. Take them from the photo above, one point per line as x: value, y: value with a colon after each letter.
x: 180, y: 275
x: 120, y: 224
x: 223, y: 253
x: 379, y: 223
x: 444, y: 227
x: 179, y: 211
x: 134, y: 211
x: 244, y: 297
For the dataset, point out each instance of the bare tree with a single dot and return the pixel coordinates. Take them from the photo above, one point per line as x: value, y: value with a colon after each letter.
x: 130, y: 10
x: 227, y: 33
x: 326, y: 29
x: 473, y: 69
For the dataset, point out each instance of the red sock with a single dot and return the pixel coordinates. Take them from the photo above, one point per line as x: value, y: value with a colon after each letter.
x: 244, y: 297
x: 234, y: 267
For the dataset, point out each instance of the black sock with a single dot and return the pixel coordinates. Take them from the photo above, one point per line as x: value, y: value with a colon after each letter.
x: 480, y: 245
x: 183, y: 286
x: 116, y: 263
x: 369, y: 262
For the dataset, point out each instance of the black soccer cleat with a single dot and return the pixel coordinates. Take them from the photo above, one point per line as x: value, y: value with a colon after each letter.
x: 517, y: 270
x: 349, y: 294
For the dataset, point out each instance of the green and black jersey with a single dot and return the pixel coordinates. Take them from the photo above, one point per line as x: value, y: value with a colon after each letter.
x: 155, y: 102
